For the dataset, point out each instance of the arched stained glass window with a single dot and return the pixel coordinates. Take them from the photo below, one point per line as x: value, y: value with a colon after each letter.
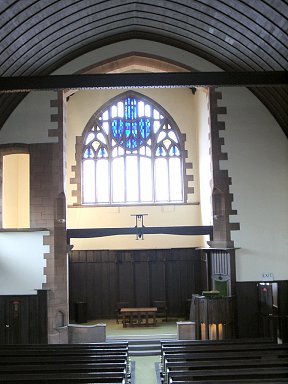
x: 132, y: 153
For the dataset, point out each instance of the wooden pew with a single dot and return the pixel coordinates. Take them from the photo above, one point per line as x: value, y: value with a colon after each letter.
x: 201, y: 350
x: 233, y: 381
x: 84, y: 363
x: 215, y: 365
x: 256, y: 340
x: 249, y: 374
x: 63, y: 346
x: 59, y: 377
x: 222, y: 347
x: 57, y: 367
x: 64, y: 349
x: 64, y: 360
x: 223, y: 361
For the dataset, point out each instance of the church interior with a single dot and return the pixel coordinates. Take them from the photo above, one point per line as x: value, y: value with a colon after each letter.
x: 143, y: 164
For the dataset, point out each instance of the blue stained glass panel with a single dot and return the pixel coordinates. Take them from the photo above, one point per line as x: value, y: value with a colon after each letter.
x: 88, y: 154
x: 130, y: 108
x: 174, y: 151
x: 160, y: 151
x: 145, y: 127
x: 131, y: 143
x: 134, y: 143
x: 134, y: 128
x: 117, y: 128
x: 102, y: 152
x: 148, y: 126
x: 127, y: 128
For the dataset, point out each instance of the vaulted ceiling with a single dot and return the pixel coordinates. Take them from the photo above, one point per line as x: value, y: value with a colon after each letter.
x: 39, y: 36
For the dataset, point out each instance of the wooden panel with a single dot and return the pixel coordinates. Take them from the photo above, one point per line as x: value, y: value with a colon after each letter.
x: 23, y: 319
x: 247, y: 309
x: 138, y: 277
x: 283, y: 309
x: 157, y: 267
x: 126, y: 278
x: 141, y: 279
x: 183, y: 269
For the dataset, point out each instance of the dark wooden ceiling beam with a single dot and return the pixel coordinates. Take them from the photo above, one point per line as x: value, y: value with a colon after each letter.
x: 143, y: 80
x: 74, y: 233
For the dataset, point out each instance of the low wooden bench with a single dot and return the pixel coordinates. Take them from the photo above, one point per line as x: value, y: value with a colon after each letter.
x: 85, y: 363
x: 215, y: 365
x: 59, y: 367
x: 222, y: 347
x: 234, y: 381
x: 64, y: 360
x: 69, y: 352
x: 112, y: 348
x: 256, y: 340
x: 229, y: 374
x: 102, y: 345
x: 95, y: 377
x: 212, y: 361
x: 221, y: 351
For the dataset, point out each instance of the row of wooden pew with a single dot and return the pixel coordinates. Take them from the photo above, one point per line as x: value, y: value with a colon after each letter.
x: 223, y: 362
x: 61, y: 363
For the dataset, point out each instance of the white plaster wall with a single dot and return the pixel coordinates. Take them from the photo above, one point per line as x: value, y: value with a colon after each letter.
x: 139, y: 46
x: 31, y: 120
x: 204, y: 159
x: 22, y: 262
x: 258, y: 164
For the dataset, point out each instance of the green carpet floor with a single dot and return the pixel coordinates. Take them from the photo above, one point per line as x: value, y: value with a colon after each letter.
x: 116, y: 330
x: 145, y: 372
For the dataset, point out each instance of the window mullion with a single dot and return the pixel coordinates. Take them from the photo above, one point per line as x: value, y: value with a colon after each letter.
x: 168, y: 168
x: 125, y: 177
x: 138, y: 178
x: 95, y: 179
x: 153, y: 174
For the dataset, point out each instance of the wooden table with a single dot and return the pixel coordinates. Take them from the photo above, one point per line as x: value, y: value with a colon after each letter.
x: 138, y: 316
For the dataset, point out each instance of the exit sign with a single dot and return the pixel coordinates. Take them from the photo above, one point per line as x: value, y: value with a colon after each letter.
x: 268, y: 276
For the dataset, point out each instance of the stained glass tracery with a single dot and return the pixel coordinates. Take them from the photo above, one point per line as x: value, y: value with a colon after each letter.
x: 128, y: 155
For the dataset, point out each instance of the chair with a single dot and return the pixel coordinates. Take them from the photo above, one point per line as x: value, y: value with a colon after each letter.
x: 119, y: 305
x: 161, y: 308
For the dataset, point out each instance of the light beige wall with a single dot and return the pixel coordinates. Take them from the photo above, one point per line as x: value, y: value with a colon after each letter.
x: 180, y: 104
x: 16, y: 191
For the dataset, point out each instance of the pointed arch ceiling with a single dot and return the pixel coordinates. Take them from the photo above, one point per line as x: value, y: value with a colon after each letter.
x: 39, y: 36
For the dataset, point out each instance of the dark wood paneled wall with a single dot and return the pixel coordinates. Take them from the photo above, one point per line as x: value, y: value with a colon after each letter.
x: 247, y: 309
x: 258, y: 320
x: 23, y: 319
x: 103, y: 278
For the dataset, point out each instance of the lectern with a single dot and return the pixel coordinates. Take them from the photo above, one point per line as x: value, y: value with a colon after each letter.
x: 213, y: 317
